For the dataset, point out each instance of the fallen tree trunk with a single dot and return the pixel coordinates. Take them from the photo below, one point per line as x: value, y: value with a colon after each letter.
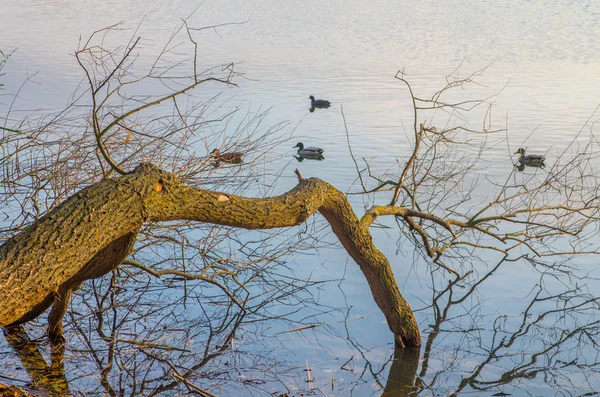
x: 90, y: 234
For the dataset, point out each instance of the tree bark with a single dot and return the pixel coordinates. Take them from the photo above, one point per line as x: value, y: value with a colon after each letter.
x: 91, y: 233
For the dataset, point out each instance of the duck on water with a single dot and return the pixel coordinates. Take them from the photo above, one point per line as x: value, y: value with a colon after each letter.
x: 309, y: 152
x: 318, y: 103
x: 231, y: 157
x: 530, y: 160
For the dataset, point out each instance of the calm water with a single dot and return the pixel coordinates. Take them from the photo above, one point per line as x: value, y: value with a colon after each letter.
x: 543, y: 59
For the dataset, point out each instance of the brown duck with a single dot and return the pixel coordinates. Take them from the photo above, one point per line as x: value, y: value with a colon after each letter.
x: 231, y: 157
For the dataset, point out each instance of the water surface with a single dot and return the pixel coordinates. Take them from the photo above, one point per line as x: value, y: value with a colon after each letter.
x: 542, y: 61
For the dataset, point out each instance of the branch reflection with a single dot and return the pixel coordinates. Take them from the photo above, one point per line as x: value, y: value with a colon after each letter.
x: 49, y: 378
x: 401, y: 378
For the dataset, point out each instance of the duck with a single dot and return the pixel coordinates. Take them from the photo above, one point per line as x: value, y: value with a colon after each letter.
x: 318, y: 103
x: 231, y: 157
x: 309, y: 152
x: 530, y: 160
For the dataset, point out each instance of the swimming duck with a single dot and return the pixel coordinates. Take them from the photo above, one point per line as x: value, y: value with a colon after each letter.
x: 308, y: 152
x: 318, y: 103
x: 232, y: 157
x: 531, y: 160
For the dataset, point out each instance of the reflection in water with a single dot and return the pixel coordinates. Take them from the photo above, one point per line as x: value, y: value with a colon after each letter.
x: 49, y: 378
x: 401, y: 378
x: 163, y: 331
x: 539, y: 336
x: 520, y: 166
x: 465, y: 350
x: 302, y: 158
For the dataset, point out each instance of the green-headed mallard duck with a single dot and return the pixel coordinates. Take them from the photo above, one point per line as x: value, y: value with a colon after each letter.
x: 318, y: 103
x: 231, y: 157
x: 308, y: 152
x: 530, y: 160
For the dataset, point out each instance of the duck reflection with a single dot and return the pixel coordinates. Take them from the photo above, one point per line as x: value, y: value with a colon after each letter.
x: 521, y: 166
x: 315, y: 157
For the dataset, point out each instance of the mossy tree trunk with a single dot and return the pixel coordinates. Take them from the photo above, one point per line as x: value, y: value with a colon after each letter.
x: 91, y: 233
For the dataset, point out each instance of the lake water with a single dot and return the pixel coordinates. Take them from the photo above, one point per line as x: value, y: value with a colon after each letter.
x: 543, y: 63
